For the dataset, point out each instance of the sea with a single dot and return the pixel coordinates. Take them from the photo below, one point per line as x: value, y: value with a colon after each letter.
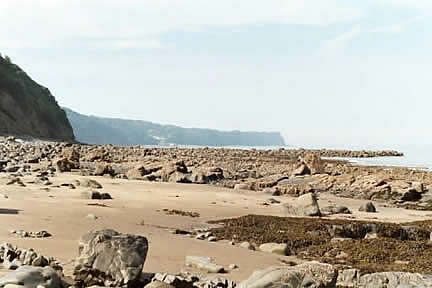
x: 415, y: 156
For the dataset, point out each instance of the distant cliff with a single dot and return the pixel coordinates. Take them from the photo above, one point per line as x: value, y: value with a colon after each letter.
x: 97, y: 130
x: 29, y: 109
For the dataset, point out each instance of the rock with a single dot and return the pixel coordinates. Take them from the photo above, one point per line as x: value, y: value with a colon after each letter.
x: 212, y: 239
x: 95, y: 195
x: 247, y: 245
x: 92, y: 217
x: 233, y: 266
x: 97, y: 155
x: 90, y: 183
x: 310, y: 274
x: 394, y: 279
x: 335, y: 209
x: 368, y: 207
x: 103, y: 168
x: 158, y: 284
x: 301, y: 170
x: 305, y: 205
x: 348, y: 278
x: 313, y: 162
x: 203, y: 263
x: 64, y: 165
x: 32, y: 277
x: 138, y: 173
x: 207, y: 176
x: 25, y: 234
x: 242, y: 186
x: 175, y: 172
x: 275, y: 248
x: 72, y: 155
x: 110, y: 258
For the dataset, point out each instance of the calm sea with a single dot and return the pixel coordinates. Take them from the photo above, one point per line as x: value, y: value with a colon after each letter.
x: 415, y: 156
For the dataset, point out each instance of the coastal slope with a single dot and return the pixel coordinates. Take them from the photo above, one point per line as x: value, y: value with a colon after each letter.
x: 27, y: 108
x: 98, y: 130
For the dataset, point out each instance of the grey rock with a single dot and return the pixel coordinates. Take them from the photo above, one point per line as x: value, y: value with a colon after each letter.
x: 335, y: 209
x: 311, y: 274
x: 368, y: 207
x: 90, y: 183
x: 203, y: 263
x: 275, y: 248
x: 32, y: 277
x: 305, y: 205
x: 247, y: 245
x: 394, y: 279
x: 110, y: 258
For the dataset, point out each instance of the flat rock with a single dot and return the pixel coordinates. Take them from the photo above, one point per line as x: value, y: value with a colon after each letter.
x: 203, y: 263
x: 275, y: 248
x: 31, y: 277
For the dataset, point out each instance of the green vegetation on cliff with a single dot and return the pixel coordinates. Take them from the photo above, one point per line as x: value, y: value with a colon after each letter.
x: 29, y: 109
x: 97, y: 130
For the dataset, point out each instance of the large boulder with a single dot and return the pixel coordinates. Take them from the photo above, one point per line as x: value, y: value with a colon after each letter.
x: 305, y: 205
x: 103, y: 168
x: 351, y: 278
x: 313, y: 162
x: 207, y: 176
x: 110, y: 258
x: 368, y: 207
x: 32, y: 277
x: 64, y: 165
x: 311, y: 274
x: 73, y: 155
x: 175, y: 172
x: 275, y: 248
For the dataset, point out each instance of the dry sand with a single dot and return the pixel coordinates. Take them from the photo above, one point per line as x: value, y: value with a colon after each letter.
x: 137, y: 208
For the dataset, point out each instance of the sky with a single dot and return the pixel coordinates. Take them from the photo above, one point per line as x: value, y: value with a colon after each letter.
x: 325, y: 73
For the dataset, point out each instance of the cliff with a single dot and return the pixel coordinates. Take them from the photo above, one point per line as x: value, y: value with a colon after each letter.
x: 97, y: 130
x: 28, y: 109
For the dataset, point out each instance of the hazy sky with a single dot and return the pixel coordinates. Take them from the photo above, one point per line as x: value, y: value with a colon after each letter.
x: 323, y: 72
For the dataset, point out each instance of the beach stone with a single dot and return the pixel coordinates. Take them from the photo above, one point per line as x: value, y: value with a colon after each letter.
x: 310, y: 274
x: 247, y: 245
x: 313, y: 162
x: 203, y: 263
x: 242, y: 186
x: 90, y: 183
x: 110, y: 258
x: 32, y: 277
x: 348, y: 278
x: 92, y: 217
x: 335, y: 209
x: 159, y: 284
x: 305, y: 205
x: 275, y: 248
x: 95, y: 195
x: 103, y: 168
x: 368, y: 207
x: 233, y: 266
x: 394, y: 279
x: 64, y: 165
x: 300, y: 171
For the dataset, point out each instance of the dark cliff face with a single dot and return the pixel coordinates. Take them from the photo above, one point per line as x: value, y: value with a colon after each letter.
x: 29, y: 109
x: 97, y: 130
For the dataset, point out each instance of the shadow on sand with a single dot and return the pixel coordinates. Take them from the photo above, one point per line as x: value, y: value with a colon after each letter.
x: 9, y: 211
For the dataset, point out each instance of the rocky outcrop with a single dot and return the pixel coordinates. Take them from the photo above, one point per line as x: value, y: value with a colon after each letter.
x: 306, y: 205
x: 312, y: 274
x: 109, y: 258
x: 29, y: 109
